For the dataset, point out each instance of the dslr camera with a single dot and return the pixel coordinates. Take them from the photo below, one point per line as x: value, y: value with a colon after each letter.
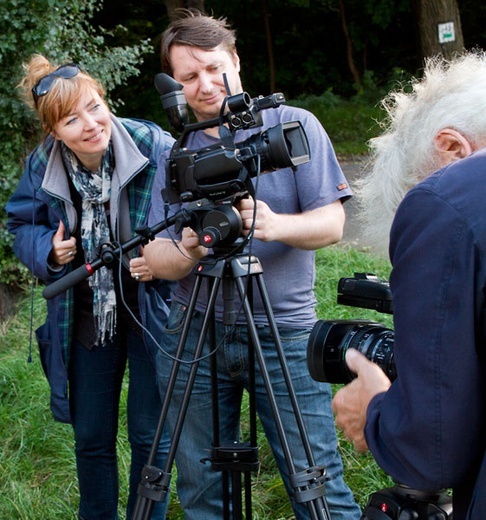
x: 326, y: 350
x: 210, y: 180
x: 330, y: 339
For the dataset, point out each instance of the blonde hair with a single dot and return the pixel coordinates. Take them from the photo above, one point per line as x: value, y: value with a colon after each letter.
x: 451, y: 94
x: 62, y: 97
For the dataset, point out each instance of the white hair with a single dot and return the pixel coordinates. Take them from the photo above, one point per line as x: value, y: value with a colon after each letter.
x: 450, y: 94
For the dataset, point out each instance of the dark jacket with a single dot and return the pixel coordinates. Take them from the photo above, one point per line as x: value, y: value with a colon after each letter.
x: 429, y: 430
x: 43, y: 198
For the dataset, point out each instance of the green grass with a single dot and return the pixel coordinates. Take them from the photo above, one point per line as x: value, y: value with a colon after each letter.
x: 37, y: 467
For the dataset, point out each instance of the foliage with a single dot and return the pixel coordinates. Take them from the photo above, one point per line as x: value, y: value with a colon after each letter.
x: 308, y: 44
x: 61, y: 31
x: 349, y: 123
x: 306, y: 39
x: 37, y: 466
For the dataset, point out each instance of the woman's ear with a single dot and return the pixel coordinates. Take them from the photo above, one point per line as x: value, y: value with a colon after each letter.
x: 451, y: 145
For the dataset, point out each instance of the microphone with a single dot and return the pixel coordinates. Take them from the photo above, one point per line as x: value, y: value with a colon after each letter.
x: 173, y: 100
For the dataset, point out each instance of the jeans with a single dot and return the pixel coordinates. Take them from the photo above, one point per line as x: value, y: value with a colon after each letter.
x: 95, y: 385
x: 198, y: 486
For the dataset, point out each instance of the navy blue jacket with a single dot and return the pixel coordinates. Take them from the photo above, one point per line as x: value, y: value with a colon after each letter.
x: 43, y: 198
x: 429, y: 430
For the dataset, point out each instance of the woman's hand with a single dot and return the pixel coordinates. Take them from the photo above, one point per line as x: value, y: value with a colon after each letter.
x: 63, y: 251
x: 139, y: 268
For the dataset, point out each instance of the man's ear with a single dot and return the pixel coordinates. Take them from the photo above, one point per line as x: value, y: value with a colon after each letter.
x: 236, y: 61
x: 451, y: 145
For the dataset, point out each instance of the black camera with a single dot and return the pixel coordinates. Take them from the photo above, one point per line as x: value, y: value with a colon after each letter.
x: 211, y: 179
x: 223, y: 171
x: 330, y: 339
x: 219, y: 172
x: 326, y: 350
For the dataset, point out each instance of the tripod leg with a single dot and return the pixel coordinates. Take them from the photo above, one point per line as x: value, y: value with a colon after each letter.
x: 155, y: 482
x: 308, y: 484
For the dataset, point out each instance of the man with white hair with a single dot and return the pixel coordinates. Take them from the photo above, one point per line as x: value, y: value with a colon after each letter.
x: 428, y: 182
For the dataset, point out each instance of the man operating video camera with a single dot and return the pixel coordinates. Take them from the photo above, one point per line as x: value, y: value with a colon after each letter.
x: 297, y: 211
x: 427, y: 428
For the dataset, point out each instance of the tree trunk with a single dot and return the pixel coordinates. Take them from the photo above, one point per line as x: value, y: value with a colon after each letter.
x: 173, y: 5
x: 268, y: 35
x: 349, y: 47
x: 439, y: 25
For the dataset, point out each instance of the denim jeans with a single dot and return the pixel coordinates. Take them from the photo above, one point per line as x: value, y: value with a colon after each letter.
x: 198, y: 486
x: 95, y: 385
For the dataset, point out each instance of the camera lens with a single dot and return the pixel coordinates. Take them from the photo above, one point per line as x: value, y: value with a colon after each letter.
x: 281, y: 146
x: 329, y: 341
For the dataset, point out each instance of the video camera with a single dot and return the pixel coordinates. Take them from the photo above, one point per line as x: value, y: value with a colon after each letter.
x: 326, y: 350
x: 212, y: 179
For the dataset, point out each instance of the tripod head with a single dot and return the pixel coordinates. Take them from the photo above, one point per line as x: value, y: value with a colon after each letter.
x: 217, y: 224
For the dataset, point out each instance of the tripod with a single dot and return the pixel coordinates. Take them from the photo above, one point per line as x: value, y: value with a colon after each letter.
x: 235, y: 460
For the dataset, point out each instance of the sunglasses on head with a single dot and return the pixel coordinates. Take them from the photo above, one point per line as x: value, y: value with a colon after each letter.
x: 44, y: 85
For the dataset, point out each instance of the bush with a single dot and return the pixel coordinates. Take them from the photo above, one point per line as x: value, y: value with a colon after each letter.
x: 349, y: 123
x: 62, y: 32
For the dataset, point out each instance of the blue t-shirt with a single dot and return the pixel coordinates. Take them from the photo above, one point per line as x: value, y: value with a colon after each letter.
x: 289, y: 273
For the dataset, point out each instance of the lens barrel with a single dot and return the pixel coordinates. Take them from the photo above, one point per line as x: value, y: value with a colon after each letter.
x: 280, y: 146
x: 329, y: 341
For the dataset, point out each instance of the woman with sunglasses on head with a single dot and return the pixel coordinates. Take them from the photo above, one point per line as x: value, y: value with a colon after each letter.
x: 88, y: 183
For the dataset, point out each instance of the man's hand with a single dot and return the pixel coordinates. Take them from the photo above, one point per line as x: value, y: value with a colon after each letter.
x: 192, y: 247
x: 351, y: 402
x: 266, y: 227
x: 309, y: 230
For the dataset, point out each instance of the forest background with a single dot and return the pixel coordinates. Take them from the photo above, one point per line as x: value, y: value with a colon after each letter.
x: 320, y: 53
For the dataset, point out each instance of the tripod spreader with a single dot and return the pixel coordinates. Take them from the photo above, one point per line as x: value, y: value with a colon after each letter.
x: 237, y: 456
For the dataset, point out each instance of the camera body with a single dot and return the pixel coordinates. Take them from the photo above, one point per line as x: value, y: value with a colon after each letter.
x: 402, y: 503
x: 223, y: 171
x: 212, y: 178
x: 367, y: 291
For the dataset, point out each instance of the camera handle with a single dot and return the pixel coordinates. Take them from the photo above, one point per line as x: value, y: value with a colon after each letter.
x: 236, y: 461
x: 110, y: 252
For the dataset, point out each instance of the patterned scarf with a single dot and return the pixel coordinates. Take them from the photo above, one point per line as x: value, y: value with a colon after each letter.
x: 95, y: 189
